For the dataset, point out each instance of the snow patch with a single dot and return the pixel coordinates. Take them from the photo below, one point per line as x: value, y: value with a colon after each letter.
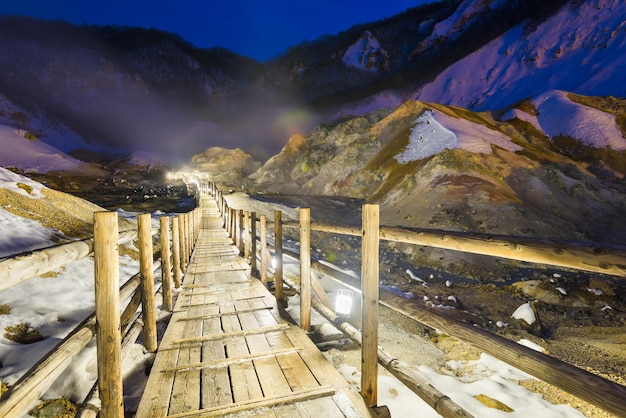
x: 366, y: 54
x: 558, y: 115
x: 428, y: 137
x: 435, y: 131
x: 525, y: 312
x: 11, y: 181
x: 32, y: 155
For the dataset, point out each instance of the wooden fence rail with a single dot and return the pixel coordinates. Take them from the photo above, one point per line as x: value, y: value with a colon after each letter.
x: 22, y: 267
x: 599, y: 258
x: 113, y: 331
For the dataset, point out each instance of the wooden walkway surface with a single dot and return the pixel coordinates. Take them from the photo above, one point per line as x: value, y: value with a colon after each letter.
x: 227, y: 351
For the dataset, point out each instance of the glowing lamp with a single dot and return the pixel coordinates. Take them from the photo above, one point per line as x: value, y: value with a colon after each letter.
x: 343, y: 302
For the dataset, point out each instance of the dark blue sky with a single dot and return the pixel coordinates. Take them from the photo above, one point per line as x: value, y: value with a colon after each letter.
x: 256, y: 29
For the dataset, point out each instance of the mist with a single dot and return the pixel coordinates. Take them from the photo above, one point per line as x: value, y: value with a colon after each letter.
x: 144, y: 92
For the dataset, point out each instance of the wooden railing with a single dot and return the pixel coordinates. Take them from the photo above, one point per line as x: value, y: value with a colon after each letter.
x: 114, y: 333
x: 606, y: 259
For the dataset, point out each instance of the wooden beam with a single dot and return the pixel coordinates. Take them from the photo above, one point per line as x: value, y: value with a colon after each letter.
x: 108, y: 331
x: 305, y: 268
x: 264, y: 250
x: 253, y: 265
x: 369, y: 283
x: 176, y: 252
x: 278, y: 254
x: 181, y: 242
x: 22, y: 267
x: 598, y: 258
x: 246, y: 234
x: 144, y: 221
x: 166, y: 273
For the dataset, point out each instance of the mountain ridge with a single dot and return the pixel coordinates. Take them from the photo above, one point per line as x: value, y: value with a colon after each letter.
x: 133, y: 88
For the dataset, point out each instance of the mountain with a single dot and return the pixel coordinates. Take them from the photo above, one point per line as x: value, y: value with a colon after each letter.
x: 124, y: 89
x: 442, y: 167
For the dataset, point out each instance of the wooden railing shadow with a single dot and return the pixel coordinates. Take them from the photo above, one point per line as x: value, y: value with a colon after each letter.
x: 606, y: 259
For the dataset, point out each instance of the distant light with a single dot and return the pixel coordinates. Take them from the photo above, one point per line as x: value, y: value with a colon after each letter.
x: 343, y: 302
x: 274, y: 262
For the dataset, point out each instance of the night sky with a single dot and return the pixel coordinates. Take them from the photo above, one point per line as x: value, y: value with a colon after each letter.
x: 255, y: 29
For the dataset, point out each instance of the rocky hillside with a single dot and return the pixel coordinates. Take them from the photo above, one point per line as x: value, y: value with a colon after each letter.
x: 225, y: 166
x: 447, y: 168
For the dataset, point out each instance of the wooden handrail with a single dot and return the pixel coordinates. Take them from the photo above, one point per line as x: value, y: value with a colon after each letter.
x: 22, y: 267
x: 597, y: 258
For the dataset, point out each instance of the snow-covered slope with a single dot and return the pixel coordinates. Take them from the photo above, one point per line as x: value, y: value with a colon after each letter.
x: 578, y: 49
x: 25, y: 152
x: 556, y: 114
x: 367, y: 54
x: 453, y: 26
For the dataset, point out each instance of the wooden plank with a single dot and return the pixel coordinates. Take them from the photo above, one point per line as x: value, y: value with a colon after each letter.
x: 232, y: 334
x: 186, y: 389
x: 250, y: 404
x: 244, y: 382
x: 215, y: 383
x: 222, y: 362
x: 156, y: 397
x: 206, y: 316
x: 323, y: 371
x: 320, y: 407
x: 269, y: 373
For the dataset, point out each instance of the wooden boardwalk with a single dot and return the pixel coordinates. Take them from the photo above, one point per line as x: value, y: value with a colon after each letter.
x: 227, y: 351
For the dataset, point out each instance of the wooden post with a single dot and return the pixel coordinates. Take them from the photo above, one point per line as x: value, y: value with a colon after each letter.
x: 188, y: 231
x: 181, y: 237
x: 264, y: 251
x: 187, y: 237
x: 305, y: 268
x: 224, y: 210
x: 369, y: 284
x: 148, y: 310
x: 108, y: 331
x: 253, y: 269
x: 240, y: 230
x: 176, y: 251
x: 231, y: 223
x: 166, y: 273
x: 197, y: 225
x: 246, y: 234
x: 278, y: 253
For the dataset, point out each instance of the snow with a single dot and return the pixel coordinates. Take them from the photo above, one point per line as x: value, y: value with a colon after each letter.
x: 31, y: 155
x: 428, y: 137
x: 525, y: 312
x: 435, y: 131
x: 11, y: 181
x: 456, y: 22
x: 527, y: 60
x: 558, y: 115
x: 359, y: 54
